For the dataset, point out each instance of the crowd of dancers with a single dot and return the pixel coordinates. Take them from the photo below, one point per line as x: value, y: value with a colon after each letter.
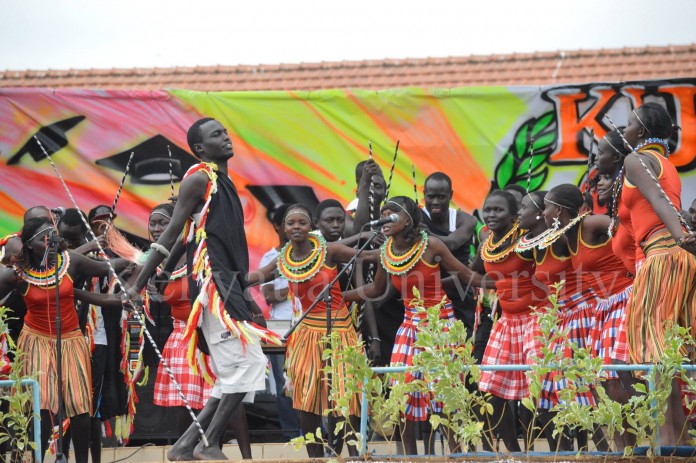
x: 623, y: 248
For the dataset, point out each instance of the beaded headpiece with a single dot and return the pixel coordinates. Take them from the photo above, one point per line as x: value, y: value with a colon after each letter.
x: 160, y: 212
x: 534, y: 201
x: 298, y: 211
x: 557, y: 204
x: 48, y: 227
x: 400, y: 207
x: 641, y: 122
x: 614, y: 147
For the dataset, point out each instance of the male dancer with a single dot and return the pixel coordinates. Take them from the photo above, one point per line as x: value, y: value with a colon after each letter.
x: 456, y: 229
x: 208, y: 201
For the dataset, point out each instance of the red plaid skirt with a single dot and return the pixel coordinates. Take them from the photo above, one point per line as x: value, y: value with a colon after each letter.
x: 609, y: 317
x: 620, y: 351
x: 195, y: 388
x: 514, y: 340
x: 419, y: 404
x: 577, y: 314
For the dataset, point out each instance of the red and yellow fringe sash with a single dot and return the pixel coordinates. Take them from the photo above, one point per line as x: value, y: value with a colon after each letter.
x: 208, y: 296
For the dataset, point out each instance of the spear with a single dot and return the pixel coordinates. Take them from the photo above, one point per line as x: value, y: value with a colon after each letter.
x: 391, y: 169
x: 531, y: 160
x: 590, y: 155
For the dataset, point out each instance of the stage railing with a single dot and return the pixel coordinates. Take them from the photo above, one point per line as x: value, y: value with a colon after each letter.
x: 635, y: 367
x: 4, y: 384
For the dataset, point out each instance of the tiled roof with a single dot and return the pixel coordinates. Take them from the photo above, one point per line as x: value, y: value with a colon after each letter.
x: 541, y: 68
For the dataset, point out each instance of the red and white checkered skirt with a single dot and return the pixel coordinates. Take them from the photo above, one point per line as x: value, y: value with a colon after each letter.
x: 609, y: 315
x: 577, y: 315
x: 513, y: 340
x: 419, y: 404
x: 195, y: 388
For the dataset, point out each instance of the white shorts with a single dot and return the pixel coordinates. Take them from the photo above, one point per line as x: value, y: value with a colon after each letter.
x: 239, y: 368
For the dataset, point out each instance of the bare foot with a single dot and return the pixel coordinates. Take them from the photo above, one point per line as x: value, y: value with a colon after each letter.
x: 177, y: 453
x: 213, y: 452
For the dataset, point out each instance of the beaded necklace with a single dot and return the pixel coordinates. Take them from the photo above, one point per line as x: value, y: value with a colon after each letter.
x: 658, y: 144
x: 488, y: 247
x: 398, y: 264
x: 553, y: 236
x: 297, y: 271
x: 525, y: 244
x: 46, y: 277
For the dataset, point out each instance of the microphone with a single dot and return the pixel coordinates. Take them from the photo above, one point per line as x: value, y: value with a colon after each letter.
x: 58, y: 211
x: 391, y: 218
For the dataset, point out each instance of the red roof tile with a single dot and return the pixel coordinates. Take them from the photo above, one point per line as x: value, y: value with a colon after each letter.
x: 575, y: 66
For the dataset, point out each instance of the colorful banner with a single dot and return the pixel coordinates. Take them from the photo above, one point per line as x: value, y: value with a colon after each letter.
x: 480, y: 136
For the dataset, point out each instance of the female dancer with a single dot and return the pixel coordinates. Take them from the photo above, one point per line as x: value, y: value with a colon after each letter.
x: 513, y: 339
x: 36, y: 281
x: 411, y: 258
x: 309, y: 264
x: 175, y: 293
x: 664, y: 290
x: 601, y: 271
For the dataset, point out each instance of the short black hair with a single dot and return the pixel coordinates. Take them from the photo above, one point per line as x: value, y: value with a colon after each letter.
x: 513, y: 206
x: 568, y: 196
x: 194, y: 135
x: 439, y: 176
x: 167, y: 207
x: 327, y: 203
x: 656, y: 120
x: 615, y: 140
x: 29, y: 213
x: 73, y: 217
x: 515, y: 187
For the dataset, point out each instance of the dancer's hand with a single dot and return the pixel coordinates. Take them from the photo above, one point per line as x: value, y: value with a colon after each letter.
x: 259, y: 319
x: 688, y: 243
x: 153, y: 292
x: 132, y: 297
x: 374, y: 352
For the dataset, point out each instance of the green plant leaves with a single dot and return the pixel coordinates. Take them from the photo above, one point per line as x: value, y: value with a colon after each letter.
x: 536, y: 138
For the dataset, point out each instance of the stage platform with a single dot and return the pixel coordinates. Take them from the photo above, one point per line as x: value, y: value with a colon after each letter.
x: 388, y: 452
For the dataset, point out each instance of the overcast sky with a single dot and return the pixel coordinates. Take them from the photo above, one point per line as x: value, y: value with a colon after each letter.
x: 59, y: 34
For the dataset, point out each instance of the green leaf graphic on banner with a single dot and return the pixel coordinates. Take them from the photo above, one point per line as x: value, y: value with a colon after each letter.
x: 521, y: 141
x: 514, y: 166
x: 538, y: 180
x: 543, y: 123
x: 505, y: 169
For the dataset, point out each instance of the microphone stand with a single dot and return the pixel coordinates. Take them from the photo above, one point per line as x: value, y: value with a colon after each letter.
x: 325, y: 295
x: 54, y: 246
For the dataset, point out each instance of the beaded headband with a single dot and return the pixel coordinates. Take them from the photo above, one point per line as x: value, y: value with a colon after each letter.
x: 297, y: 211
x: 158, y: 211
x: 557, y: 204
x: 531, y: 198
x: 614, y: 147
x: 49, y: 227
x: 641, y: 122
x: 400, y: 207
